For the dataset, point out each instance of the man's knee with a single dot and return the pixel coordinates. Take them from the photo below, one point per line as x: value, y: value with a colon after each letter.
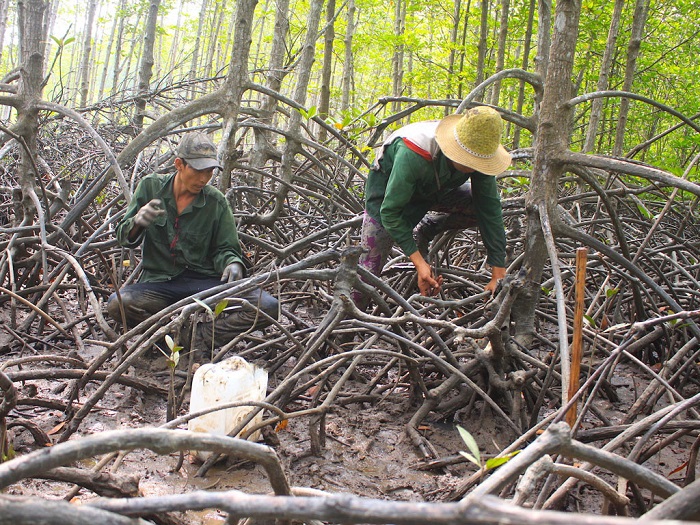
x: 113, y: 307
x: 269, y: 305
x: 132, y: 304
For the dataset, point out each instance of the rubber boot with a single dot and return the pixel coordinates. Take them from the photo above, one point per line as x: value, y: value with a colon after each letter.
x: 427, y: 229
x: 435, y: 223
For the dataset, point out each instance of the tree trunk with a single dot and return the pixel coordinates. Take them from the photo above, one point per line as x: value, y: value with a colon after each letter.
x: 217, y: 18
x: 291, y: 147
x: 85, y: 68
x: 525, y: 65
x: 118, y: 52
x: 639, y: 21
x: 327, y: 67
x: 483, y: 45
x: 146, y: 69
x: 348, y: 63
x: 543, y: 37
x: 236, y: 82
x: 603, y: 76
x: 175, y: 51
x: 397, y: 59
x: 502, y: 44
x: 108, y: 53
x: 133, y: 52
x: 275, y: 75
x: 454, y: 34
x: 31, y: 18
x: 3, y: 23
x: 462, y: 54
x: 194, y: 68
x: 553, y: 131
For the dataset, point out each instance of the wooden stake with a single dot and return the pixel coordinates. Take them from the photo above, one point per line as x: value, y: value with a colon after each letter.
x: 577, y: 342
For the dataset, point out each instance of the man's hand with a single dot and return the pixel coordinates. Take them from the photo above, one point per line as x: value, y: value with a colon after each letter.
x: 428, y: 285
x: 148, y: 213
x: 497, y: 273
x: 233, y: 272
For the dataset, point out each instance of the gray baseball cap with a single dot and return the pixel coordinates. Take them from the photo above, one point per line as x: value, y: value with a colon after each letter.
x: 198, y: 151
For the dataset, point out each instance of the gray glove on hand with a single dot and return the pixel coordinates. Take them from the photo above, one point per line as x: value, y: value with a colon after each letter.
x: 148, y: 213
x: 233, y: 272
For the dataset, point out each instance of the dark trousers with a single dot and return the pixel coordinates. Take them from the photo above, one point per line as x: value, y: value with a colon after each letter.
x: 141, y: 300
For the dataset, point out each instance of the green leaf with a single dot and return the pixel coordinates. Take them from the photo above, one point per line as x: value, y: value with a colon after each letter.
x: 471, y: 444
x: 203, y: 305
x: 501, y: 460
x: 470, y: 458
x: 611, y: 291
x: 220, y: 307
x: 590, y: 320
x: 646, y: 213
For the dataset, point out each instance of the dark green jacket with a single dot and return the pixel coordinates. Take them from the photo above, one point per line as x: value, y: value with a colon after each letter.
x: 203, y: 238
x: 405, y: 185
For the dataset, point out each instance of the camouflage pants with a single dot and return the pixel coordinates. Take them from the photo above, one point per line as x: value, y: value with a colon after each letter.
x: 455, y: 211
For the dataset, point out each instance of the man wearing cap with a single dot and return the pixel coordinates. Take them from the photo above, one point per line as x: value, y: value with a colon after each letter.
x: 446, y: 166
x: 189, y: 243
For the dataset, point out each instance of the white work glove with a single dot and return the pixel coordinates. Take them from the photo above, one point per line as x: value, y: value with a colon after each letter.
x: 233, y: 272
x: 148, y: 213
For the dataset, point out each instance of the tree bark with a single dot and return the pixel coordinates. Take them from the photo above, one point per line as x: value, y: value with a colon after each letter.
x: 483, y: 45
x: 85, y: 69
x: 194, y: 68
x: 460, y: 89
x: 397, y: 64
x: 348, y: 63
x: 502, y: 44
x: 3, y: 23
x: 292, y: 146
x: 551, y: 145
x: 275, y: 75
x: 175, y: 51
x: 147, y: 61
x: 603, y: 76
x: 327, y: 68
x: 217, y: 16
x: 32, y: 39
x: 108, y: 53
x: 236, y: 82
x: 639, y: 21
x: 118, y: 62
x: 525, y: 66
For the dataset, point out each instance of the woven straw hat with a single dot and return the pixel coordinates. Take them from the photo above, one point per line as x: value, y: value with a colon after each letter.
x: 474, y: 140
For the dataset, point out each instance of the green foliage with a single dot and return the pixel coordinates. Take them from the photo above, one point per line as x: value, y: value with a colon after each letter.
x: 308, y: 114
x: 174, y: 357
x: 213, y: 314
x: 8, y: 454
x: 611, y: 292
x: 61, y: 42
x: 474, y: 455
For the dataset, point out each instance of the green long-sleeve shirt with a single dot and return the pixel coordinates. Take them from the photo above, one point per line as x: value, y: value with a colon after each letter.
x: 202, y: 238
x: 405, y: 185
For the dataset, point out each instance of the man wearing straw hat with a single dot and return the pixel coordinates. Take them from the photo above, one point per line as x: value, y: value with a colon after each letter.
x: 446, y: 166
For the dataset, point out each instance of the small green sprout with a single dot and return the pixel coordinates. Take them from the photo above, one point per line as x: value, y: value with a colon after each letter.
x: 474, y: 455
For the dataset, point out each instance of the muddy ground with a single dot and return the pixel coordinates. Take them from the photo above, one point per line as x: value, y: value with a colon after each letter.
x: 367, y: 452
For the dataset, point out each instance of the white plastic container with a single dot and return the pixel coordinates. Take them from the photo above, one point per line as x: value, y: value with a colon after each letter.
x: 230, y: 381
